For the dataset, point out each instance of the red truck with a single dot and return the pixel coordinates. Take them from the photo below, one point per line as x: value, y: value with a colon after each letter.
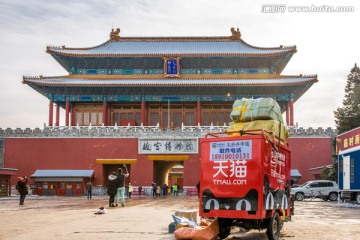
x: 245, y: 181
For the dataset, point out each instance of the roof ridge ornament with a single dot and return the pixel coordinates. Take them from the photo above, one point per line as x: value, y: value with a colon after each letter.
x: 115, y: 35
x: 235, y: 34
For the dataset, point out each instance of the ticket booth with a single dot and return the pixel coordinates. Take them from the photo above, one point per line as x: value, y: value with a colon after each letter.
x: 61, y: 182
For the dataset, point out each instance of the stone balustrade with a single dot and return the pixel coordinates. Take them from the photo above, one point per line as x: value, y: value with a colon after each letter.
x: 143, y: 131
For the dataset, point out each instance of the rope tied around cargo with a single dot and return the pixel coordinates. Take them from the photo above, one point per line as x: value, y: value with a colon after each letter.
x: 243, y: 109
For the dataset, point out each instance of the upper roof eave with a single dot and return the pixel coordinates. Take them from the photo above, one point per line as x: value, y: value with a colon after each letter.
x: 178, y: 54
x: 114, y: 48
x: 95, y: 82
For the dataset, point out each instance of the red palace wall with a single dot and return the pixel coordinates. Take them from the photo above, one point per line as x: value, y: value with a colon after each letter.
x: 309, y: 153
x: 31, y: 154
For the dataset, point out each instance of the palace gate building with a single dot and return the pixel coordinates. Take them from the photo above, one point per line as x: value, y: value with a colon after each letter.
x: 145, y: 102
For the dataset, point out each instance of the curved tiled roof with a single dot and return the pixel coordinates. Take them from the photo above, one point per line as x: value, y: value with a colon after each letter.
x: 114, y: 82
x: 172, y: 46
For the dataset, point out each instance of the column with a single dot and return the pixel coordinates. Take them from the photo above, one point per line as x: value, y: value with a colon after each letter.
x: 291, y: 105
x: 57, y: 122
x: 287, y: 114
x: 105, y: 113
x: 51, y: 107
x: 198, y: 112
x: 143, y: 113
x: 72, y: 114
x: 67, y: 113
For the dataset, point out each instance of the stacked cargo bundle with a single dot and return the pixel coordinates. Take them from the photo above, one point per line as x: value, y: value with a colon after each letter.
x: 257, y: 114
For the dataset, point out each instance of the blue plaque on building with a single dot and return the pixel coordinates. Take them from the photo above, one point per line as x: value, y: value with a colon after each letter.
x: 171, y: 67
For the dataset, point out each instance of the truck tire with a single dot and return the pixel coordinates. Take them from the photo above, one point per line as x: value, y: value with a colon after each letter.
x: 358, y: 198
x: 273, y: 229
x: 333, y: 196
x: 224, y: 227
x: 299, y: 196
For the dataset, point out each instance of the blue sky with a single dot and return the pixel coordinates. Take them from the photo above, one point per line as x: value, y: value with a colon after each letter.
x: 327, y: 43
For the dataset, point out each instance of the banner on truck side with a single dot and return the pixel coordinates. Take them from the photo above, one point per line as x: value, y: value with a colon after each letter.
x: 230, y: 160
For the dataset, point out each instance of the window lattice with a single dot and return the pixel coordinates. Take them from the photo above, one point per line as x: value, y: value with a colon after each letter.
x: 138, y: 118
x: 177, y: 119
x: 154, y: 119
x: 93, y: 118
x: 131, y: 116
x: 79, y: 118
x: 86, y: 118
x: 206, y: 119
x: 165, y: 122
x: 190, y: 119
x: 116, y: 119
x: 221, y: 118
x: 123, y: 117
x: 100, y: 118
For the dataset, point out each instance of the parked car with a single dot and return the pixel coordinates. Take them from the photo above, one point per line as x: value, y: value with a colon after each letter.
x: 324, y: 189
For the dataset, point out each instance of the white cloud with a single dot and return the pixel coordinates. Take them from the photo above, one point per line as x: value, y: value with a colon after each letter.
x: 327, y: 43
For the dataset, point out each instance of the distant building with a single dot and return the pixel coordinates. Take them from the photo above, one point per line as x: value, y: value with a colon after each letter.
x: 143, y: 103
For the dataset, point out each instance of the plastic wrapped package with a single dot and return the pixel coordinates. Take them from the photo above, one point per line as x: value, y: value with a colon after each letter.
x: 245, y: 110
x: 274, y: 126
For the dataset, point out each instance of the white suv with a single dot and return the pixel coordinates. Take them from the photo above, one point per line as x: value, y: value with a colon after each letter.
x: 327, y: 190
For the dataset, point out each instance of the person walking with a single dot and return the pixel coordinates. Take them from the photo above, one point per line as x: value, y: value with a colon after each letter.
x: 113, y: 184
x: 22, y: 188
x: 164, y: 190
x: 121, y: 187
x: 153, y: 189
x: 140, y: 190
x: 175, y: 189
x: 198, y: 189
x: 130, y: 190
x: 158, y: 190
x: 88, y: 188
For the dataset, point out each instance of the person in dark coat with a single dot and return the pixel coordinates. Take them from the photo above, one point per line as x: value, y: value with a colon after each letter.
x: 198, y: 189
x: 88, y: 188
x: 165, y: 190
x: 140, y: 190
x: 22, y: 188
x: 113, y: 184
x: 153, y: 186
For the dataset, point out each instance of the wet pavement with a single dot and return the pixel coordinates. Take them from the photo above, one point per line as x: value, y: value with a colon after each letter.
x: 148, y: 218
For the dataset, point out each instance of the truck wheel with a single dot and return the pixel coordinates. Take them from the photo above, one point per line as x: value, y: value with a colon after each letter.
x: 273, y: 229
x: 299, y: 196
x: 224, y: 227
x: 358, y: 198
x: 333, y: 196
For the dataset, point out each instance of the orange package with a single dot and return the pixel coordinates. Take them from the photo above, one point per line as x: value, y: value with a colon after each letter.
x: 199, y: 233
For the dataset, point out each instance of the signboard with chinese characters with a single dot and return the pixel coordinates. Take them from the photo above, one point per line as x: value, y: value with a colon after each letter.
x: 171, y: 67
x: 348, y: 140
x: 168, y: 146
